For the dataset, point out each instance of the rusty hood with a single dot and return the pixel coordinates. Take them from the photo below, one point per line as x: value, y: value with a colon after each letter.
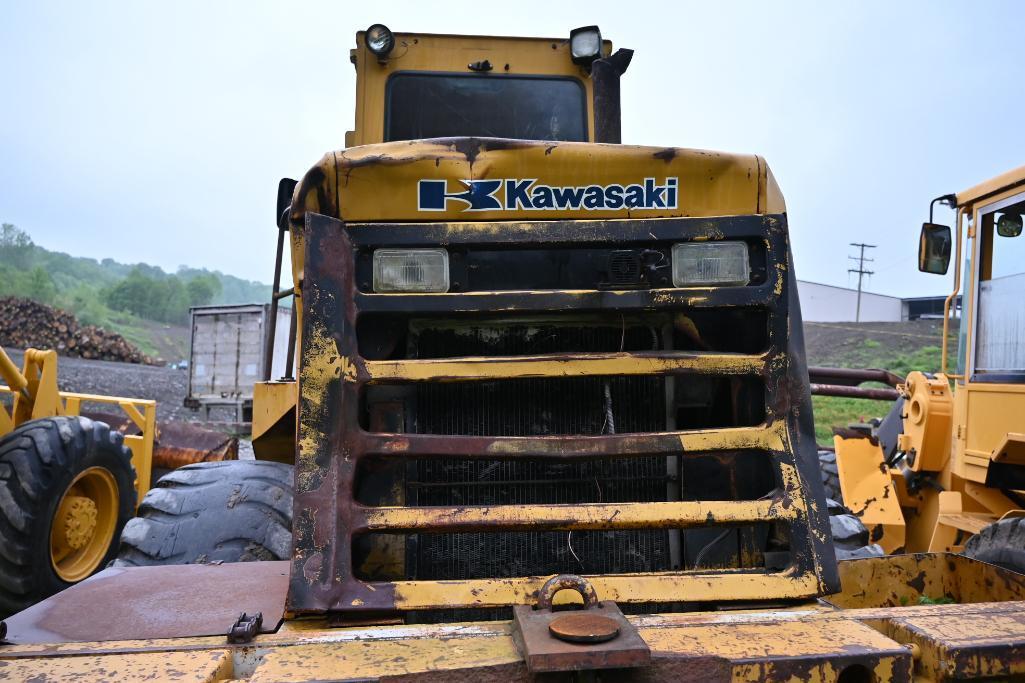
x: 487, y: 179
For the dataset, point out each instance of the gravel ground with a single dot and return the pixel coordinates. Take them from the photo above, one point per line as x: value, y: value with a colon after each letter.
x: 166, y: 386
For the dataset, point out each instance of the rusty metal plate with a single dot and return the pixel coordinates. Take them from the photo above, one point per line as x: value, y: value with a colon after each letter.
x: 899, y: 580
x: 987, y: 644
x: 585, y: 627
x: 532, y: 631
x: 144, y: 603
x: 181, y: 443
x: 177, y: 443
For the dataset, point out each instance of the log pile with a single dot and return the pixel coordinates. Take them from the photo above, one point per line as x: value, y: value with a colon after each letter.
x: 25, y: 323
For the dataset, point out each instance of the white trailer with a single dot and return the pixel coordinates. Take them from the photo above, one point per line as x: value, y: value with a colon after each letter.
x: 228, y: 355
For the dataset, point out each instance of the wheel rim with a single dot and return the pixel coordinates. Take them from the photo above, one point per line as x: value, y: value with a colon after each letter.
x: 83, y: 526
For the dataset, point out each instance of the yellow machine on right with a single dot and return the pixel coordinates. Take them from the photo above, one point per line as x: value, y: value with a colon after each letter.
x: 945, y: 470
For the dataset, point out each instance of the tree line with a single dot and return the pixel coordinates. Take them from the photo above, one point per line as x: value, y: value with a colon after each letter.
x: 92, y: 289
x: 164, y: 299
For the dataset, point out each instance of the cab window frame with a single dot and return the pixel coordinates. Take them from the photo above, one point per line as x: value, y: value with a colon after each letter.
x: 982, y: 270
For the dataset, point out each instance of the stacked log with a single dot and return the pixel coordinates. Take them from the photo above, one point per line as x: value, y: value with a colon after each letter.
x: 25, y: 323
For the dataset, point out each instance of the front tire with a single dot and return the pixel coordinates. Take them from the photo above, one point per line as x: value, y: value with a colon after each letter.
x: 830, y: 475
x: 1001, y: 543
x: 850, y: 537
x: 67, y: 489
x: 228, y: 511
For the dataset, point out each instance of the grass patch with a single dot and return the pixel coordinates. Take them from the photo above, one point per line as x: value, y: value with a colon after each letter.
x: 926, y: 359
x: 138, y: 335
x: 840, y: 411
x: 131, y: 327
x: 899, y: 348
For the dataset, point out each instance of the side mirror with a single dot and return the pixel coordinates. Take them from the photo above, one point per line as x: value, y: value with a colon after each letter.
x: 1009, y: 225
x: 286, y: 188
x: 934, y: 248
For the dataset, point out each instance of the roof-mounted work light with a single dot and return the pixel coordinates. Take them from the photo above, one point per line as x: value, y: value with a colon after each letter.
x: 585, y: 44
x: 380, y: 40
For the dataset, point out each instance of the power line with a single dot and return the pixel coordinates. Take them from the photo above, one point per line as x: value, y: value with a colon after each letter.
x: 860, y: 270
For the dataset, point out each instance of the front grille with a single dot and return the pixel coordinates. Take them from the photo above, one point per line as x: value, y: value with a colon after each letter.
x: 354, y: 559
x: 553, y: 406
x: 536, y: 407
x: 479, y: 555
x: 539, y: 406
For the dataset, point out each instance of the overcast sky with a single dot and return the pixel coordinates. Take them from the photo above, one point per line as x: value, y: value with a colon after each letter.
x: 156, y: 132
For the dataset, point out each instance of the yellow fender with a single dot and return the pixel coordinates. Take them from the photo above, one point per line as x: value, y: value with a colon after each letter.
x: 868, y: 491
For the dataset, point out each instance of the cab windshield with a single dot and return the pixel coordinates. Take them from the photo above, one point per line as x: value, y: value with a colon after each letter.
x: 428, y: 105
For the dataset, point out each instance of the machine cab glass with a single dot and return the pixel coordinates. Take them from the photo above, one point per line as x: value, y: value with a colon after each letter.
x: 999, y: 353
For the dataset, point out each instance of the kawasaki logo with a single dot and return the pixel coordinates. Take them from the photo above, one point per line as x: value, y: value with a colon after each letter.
x: 511, y: 194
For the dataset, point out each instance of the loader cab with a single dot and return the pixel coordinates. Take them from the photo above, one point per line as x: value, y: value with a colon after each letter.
x: 989, y: 391
x: 412, y: 86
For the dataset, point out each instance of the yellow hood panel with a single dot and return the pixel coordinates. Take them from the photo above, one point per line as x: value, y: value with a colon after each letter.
x: 482, y: 179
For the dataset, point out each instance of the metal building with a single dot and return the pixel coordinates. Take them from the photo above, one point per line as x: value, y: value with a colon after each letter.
x: 828, y: 303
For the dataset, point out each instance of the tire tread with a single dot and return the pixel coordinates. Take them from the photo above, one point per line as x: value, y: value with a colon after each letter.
x: 1001, y: 543
x: 227, y: 511
x: 850, y: 537
x: 830, y: 475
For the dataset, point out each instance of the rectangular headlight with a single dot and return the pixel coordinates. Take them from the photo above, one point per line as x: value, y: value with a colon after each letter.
x: 410, y: 270
x: 702, y: 264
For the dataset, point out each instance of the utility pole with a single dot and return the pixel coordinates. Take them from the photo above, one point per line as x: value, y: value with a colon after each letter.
x: 860, y: 270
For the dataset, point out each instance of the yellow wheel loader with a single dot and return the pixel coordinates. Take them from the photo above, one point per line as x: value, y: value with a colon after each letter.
x: 945, y: 470
x: 71, y: 478
x: 552, y: 422
x: 68, y: 484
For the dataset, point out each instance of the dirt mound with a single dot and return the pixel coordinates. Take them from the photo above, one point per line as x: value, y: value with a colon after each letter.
x: 898, y: 347
x: 25, y: 323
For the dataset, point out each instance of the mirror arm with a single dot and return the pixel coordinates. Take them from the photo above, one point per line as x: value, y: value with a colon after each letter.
x: 946, y: 199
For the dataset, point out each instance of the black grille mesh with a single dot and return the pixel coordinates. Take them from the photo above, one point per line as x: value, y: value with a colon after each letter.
x: 492, y: 555
x: 506, y: 482
x: 498, y: 555
x: 541, y: 406
x: 526, y: 340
